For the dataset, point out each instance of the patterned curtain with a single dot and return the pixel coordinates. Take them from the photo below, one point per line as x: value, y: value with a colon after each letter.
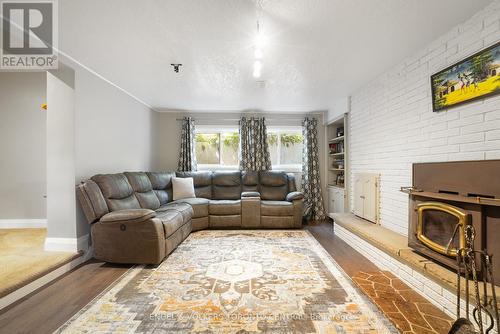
x: 311, y: 183
x: 187, y: 156
x: 254, y: 149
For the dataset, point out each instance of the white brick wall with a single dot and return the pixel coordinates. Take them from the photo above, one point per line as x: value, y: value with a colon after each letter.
x: 392, y: 124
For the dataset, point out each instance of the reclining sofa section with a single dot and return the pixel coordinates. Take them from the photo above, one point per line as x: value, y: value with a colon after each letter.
x: 135, y: 220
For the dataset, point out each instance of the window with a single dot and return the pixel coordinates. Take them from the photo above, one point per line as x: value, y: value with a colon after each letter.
x: 208, y: 148
x: 217, y: 148
x: 285, y: 147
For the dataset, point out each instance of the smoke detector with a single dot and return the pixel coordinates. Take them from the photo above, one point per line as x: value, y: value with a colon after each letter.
x: 176, y: 67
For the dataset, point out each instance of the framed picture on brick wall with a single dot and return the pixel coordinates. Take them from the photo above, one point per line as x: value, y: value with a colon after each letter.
x: 475, y: 77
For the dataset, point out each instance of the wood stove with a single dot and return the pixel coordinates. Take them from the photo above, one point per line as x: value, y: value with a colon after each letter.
x: 447, y: 196
x: 441, y: 227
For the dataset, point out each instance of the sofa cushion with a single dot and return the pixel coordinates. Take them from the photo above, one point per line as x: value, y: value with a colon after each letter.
x: 185, y: 209
x: 276, y: 208
x: 199, y: 205
x: 277, y: 222
x: 128, y: 216
x: 273, y: 185
x: 183, y: 187
x: 172, y: 220
x: 92, y: 200
x: 162, y: 185
x: 224, y: 207
x: 199, y: 223
x: 226, y: 185
x: 294, y: 195
x: 250, y: 181
x: 202, y: 182
x: 117, y: 191
x: 140, y: 183
x: 148, y: 200
x: 292, y: 185
x: 250, y: 194
x: 225, y: 221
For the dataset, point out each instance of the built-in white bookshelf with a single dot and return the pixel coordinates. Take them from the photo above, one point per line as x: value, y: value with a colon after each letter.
x: 337, y: 168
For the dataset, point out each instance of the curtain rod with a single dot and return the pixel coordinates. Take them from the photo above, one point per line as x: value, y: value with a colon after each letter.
x: 225, y: 119
x: 238, y: 119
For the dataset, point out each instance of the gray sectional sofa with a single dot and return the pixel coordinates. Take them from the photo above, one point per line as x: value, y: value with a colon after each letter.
x: 135, y: 220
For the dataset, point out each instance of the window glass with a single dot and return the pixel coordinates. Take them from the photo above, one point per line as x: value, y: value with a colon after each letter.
x: 207, y: 148
x: 291, y: 148
x: 272, y: 141
x: 230, y: 148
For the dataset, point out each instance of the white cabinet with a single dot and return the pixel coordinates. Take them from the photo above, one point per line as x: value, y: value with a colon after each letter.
x: 366, y: 196
x: 336, y: 198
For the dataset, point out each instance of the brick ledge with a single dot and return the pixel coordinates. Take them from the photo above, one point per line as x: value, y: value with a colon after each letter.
x: 396, y: 246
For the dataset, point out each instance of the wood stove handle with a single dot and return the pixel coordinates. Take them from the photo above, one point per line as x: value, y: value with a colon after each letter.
x: 486, y: 199
x: 410, y: 190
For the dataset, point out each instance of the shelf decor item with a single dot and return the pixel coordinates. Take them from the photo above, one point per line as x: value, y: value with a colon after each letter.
x: 340, y: 180
x: 336, y: 148
x: 475, y: 77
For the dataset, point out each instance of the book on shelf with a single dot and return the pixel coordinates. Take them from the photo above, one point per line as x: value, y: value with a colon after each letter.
x: 336, y: 147
x: 338, y: 164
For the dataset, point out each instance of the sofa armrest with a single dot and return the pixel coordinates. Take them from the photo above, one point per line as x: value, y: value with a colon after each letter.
x: 128, y: 216
x: 294, y: 195
x: 250, y: 210
x: 250, y: 194
x: 137, y: 240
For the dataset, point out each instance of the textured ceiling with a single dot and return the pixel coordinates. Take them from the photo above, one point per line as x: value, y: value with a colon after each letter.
x: 315, y: 52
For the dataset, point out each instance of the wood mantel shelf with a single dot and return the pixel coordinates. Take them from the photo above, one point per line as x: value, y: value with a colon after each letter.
x: 455, y: 198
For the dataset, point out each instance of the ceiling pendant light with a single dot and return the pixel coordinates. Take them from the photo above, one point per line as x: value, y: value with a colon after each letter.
x: 257, y: 68
x: 258, y: 54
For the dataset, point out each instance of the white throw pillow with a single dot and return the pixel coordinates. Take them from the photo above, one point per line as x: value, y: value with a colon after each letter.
x: 183, y: 187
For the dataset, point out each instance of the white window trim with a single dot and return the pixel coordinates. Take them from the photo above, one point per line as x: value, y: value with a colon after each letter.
x: 217, y: 167
x: 297, y: 168
x: 291, y: 168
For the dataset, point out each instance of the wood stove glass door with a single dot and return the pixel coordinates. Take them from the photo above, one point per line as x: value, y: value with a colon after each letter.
x: 440, y: 227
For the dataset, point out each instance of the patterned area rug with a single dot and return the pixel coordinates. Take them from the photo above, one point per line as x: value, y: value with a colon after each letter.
x: 234, y: 282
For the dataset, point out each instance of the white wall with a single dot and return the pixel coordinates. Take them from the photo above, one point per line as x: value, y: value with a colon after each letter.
x: 94, y: 127
x: 337, y: 108
x: 22, y: 145
x: 113, y: 132
x: 166, y: 131
x: 392, y: 124
x: 61, y: 208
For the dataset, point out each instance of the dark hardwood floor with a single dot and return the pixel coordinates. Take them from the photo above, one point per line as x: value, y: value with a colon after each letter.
x: 350, y: 260
x: 45, y: 310
x: 49, y: 307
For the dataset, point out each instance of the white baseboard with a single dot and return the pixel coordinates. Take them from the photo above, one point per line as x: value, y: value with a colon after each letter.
x: 67, y: 244
x: 23, y: 223
x: 44, y: 280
